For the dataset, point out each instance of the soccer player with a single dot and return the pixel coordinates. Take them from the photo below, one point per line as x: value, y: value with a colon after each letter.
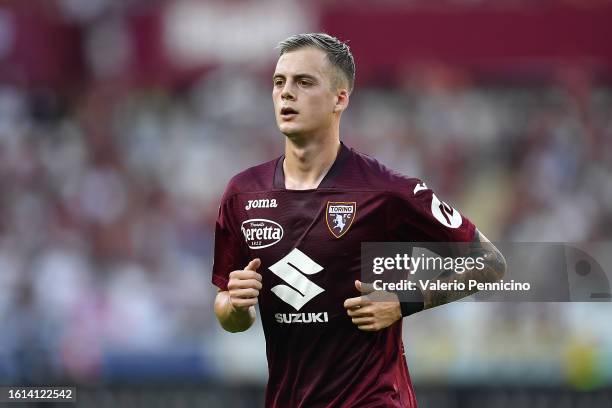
x: 289, y: 235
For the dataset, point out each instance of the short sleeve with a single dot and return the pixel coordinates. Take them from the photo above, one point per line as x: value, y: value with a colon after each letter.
x: 419, y: 215
x: 229, y: 251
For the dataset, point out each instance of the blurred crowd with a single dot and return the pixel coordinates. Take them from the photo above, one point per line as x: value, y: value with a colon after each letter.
x: 108, y: 199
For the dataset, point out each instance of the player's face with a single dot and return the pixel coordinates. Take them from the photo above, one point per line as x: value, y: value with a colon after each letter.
x: 304, y: 100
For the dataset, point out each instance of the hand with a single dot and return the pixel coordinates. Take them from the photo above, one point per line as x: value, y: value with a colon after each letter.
x: 244, y: 285
x: 374, y: 311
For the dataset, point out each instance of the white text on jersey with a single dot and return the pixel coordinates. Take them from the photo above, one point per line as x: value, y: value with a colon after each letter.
x: 261, y: 233
x: 263, y: 203
x: 320, y: 317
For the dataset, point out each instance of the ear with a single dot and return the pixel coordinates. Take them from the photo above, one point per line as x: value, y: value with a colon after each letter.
x: 342, y: 100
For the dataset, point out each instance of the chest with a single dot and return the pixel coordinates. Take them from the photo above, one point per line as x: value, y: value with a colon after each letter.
x: 309, y: 243
x: 332, y: 223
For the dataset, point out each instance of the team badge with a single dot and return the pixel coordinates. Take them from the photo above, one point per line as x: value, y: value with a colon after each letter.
x: 340, y: 216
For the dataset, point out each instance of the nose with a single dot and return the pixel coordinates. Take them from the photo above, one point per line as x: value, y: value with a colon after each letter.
x: 287, y: 92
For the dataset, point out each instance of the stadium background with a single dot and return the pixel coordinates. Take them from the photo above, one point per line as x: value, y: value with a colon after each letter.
x: 121, y: 122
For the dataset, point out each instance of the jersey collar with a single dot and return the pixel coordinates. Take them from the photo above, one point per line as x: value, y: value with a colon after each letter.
x: 343, y: 154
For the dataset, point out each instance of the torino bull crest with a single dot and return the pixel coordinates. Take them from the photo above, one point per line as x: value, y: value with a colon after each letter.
x: 340, y: 216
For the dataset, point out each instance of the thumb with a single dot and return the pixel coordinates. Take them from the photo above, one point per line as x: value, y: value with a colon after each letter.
x: 364, y: 287
x: 253, y: 265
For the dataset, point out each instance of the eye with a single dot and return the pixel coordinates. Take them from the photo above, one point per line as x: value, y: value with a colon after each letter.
x: 304, y: 82
x: 278, y: 82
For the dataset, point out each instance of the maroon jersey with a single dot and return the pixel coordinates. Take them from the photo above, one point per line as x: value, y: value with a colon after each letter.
x: 309, y: 243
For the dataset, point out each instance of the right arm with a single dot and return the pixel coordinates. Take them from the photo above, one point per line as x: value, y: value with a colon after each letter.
x: 235, y: 307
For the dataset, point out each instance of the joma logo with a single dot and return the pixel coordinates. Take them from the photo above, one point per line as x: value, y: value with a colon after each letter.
x: 262, y: 203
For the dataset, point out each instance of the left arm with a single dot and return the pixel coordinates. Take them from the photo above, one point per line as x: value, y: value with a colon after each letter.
x: 369, y: 315
x: 494, y: 269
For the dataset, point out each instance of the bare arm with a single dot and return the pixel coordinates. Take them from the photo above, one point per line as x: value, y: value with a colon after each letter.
x: 494, y: 270
x: 235, y: 307
x: 371, y: 315
x: 232, y: 319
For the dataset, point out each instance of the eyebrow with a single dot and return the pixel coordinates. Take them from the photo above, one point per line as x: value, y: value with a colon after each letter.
x: 297, y: 76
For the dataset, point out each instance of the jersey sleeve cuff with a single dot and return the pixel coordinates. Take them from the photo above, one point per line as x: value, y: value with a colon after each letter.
x: 220, y: 282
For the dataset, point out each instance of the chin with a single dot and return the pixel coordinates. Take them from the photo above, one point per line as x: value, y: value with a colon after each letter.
x: 289, y: 129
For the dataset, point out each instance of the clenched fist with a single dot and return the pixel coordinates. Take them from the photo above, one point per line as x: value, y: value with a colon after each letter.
x: 244, y: 285
x: 373, y: 310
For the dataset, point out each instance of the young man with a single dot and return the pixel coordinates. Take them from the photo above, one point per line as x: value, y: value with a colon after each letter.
x: 289, y: 236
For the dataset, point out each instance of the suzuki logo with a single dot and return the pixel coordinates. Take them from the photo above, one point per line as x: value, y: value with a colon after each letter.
x: 292, y: 269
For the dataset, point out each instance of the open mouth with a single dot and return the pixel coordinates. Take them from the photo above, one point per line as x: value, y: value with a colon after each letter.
x: 288, y: 112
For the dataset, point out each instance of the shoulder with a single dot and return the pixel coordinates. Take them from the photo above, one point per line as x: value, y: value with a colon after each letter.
x: 372, y: 174
x: 256, y: 178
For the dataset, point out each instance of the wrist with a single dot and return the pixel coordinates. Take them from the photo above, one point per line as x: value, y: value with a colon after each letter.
x: 240, y: 318
x: 411, y: 303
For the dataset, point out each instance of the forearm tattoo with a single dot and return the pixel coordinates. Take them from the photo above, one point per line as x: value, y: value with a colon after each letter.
x: 493, y: 271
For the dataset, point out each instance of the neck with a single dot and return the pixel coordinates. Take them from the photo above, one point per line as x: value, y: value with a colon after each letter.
x: 306, y: 164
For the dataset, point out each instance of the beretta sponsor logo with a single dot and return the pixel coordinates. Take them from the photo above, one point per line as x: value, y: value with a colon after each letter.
x: 261, y: 233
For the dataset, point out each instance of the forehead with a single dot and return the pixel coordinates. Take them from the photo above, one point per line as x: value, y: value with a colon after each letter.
x: 306, y: 60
